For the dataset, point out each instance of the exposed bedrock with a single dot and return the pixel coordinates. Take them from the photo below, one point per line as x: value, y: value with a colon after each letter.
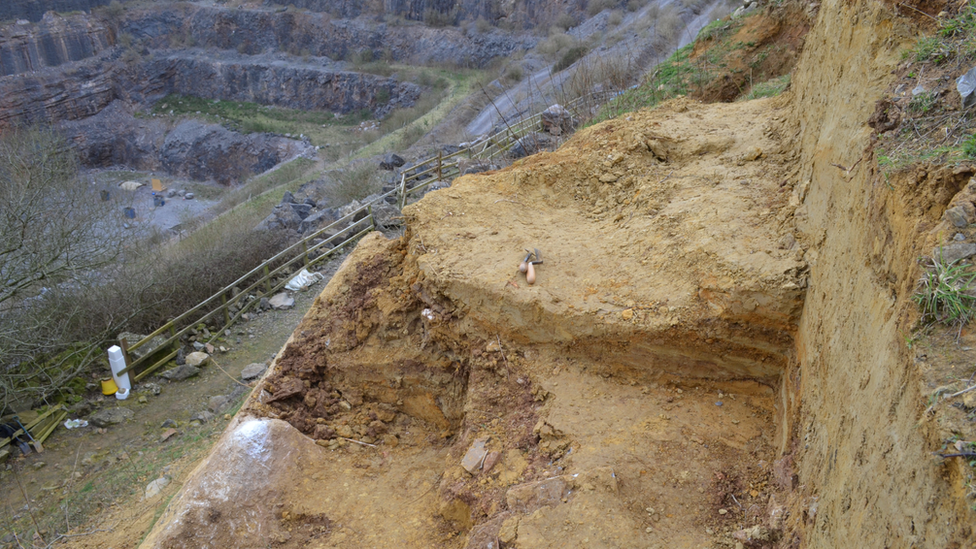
x: 52, y: 42
x: 53, y: 94
x: 279, y: 83
x: 34, y: 10
x: 255, y: 31
x: 524, y: 14
x: 191, y: 149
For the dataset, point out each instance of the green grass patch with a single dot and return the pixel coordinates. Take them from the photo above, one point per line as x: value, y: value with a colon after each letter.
x: 769, y: 88
x: 321, y: 127
x: 672, y: 78
x: 945, y: 292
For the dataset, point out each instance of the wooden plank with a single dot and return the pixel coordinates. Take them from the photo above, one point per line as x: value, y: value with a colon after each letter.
x: 32, y: 424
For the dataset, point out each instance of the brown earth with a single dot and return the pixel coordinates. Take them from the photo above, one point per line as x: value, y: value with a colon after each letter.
x: 629, y: 394
x: 714, y: 353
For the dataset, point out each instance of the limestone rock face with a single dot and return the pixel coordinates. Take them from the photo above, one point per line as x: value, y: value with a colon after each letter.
x: 33, y: 10
x: 52, y: 42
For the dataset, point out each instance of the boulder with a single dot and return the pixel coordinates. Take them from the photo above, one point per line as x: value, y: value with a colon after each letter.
x: 197, y: 359
x: 303, y: 211
x: 950, y: 253
x: 201, y: 417
x: 180, y: 373
x: 961, y: 215
x: 530, y: 144
x: 966, y: 85
x: 391, y: 161
x: 217, y: 403
x: 280, y: 301
x: 253, y: 371
x: 556, y: 120
x: 386, y: 215
x: 316, y: 220
x: 110, y: 416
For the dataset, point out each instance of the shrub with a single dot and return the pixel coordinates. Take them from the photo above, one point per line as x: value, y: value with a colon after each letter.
x: 514, y: 73
x: 353, y: 183
x: 482, y: 25
x: 555, y: 45
x: 596, y: 6
x: 573, y: 55
x: 435, y: 18
x: 616, y: 17
x: 565, y: 21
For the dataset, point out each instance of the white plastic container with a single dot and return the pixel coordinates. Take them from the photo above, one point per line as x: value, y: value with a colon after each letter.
x: 116, y: 360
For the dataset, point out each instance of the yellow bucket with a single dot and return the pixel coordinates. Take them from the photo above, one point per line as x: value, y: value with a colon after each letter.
x: 109, y: 387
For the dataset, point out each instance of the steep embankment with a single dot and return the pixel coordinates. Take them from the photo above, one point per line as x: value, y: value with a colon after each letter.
x: 862, y: 446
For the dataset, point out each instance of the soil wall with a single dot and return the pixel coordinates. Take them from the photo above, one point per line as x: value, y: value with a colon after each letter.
x: 865, y: 475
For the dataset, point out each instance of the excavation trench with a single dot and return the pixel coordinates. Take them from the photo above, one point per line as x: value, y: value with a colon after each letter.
x: 432, y: 398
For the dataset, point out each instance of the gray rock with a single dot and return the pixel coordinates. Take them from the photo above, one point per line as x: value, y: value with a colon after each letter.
x: 111, y: 416
x: 252, y: 371
x: 303, y: 211
x: 315, y: 220
x: 950, y: 253
x: 197, y: 345
x: 202, y: 417
x: 180, y: 373
x: 168, y: 424
x: 150, y: 387
x: 280, y: 302
x: 391, y: 161
x: 530, y: 144
x: 197, y: 359
x: 216, y: 404
x: 287, y: 198
x: 556, y: 120
x: 959, y: 237
x: 155, y: 487
x: 188, y: 196
x: 965, y: 85
x: 264, y: 304
x: 386, y: 215
x: 961, y: 215
x: 474, y: 458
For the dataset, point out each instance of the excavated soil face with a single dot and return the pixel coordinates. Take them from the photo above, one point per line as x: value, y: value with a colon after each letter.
x: 666, y: 242
x: 432, y: 398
